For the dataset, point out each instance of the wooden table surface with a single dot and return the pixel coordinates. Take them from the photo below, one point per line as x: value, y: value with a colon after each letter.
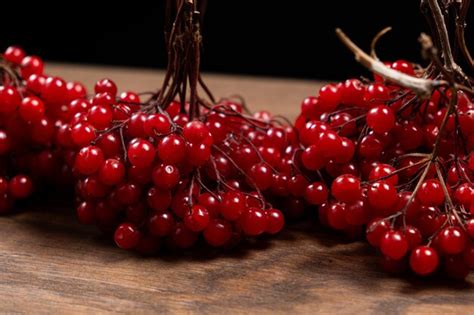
x: 51, y: 264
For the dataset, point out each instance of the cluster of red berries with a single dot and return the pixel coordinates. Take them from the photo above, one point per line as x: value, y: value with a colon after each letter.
x: 32, y: 105
x: 151, y: 175
x: 398, y: 167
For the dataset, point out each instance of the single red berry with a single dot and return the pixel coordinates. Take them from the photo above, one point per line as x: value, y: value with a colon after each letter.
x: 182, y: 237
x: 413, y: 236
x: 10, y: 99
x: 86, y: 212
x: 20, y: 187
x: 32, y: 109
x: 141, y: 153
x: 431, y: 193
x: 171, y: 149
x: 112, y: 172
x: 218, y: 232
x: 31, y: 65
x: 383, y: 171
x: 55, y: 91
x: 195, y: 131
x: 394, y: 245
x: 329, y: 97
x: 336, y: 216
x: 376, y: 230
x: 424, y: 260
x: 404, y: 67
x: 165, y: 176
x: 127, y: 236
x: 381, y: 119
x: 106, y: 86
x: 382, y: 196
x: 156, y: 124
x: 452, y: 240
x: 261, y: 175
x: 197, y: 219
x: 100, y: 116
x: 82, y: 134
x: 357, y: 213
x: 159, y: 199
x: 89, y: 160
x: 275, y: 221
x: 346, y: 188
x: 253, y: 221
x: 14, y: 54
x: 161, y: 224
x: 316, y: 193
x: 233, y: 205
x: 376, y: 94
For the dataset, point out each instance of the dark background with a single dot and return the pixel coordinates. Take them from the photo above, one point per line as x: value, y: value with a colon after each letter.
x: 276, y: 38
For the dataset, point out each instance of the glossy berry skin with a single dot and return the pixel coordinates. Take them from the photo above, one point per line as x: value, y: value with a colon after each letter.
x: 10, y: 99
x: 100, y: 116
x: 171, y: 149
x: 197, y: 219
x: 165, y: 176
x: 346, y: 188
x: 14, y: 55
x: 376, y: 230
x: 82, y: 134
x: 424, y: 260
x: 275, y: 221
x: 316, y: 193
x: 329, y: 98
x: 32, y: 109
x: 253, y: 221
x: 382, y: 196
x: 233, y: 205
x: 383, y: 171
x: 20, y: 187
x: 55, y: 91
x: 127, y: 236
x: 85, y: 213
x: 156, y: 124
x: 218, y: 232
x: 89, y: 160
x: 394, y: 245
x: 195, y: 131
x: 141, y: 153
x: 431, y: 193
x: 106, y: 86
x: 381, y: 119
x: 31, y: 65
x: 261, y: 175
x: 112, y: 172
x: 161, y: 224
x: 452, y: 240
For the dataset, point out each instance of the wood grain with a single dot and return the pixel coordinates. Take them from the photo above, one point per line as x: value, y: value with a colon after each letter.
x: 51, y: 264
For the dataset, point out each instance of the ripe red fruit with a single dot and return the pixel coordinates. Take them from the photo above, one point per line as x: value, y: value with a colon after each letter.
x: 100, y: 116
x: 346, y: 188
x: 394, y: 245
x: 82, y: 134
x: 336, y: 216
x: 55, y: 91
x: 20, y: 187
x: 171, y: 149
x: 89, y: 160
x: 233, y: 205
x: 127, y: 236
x: 141, y: 153
x: 261, y: 175
x: 424, y: 260
x: 403, y: 66
x: 165, y: 176
x: 218, y: 232
x: 161, y: 224
x: 376, y: 94
x: 431, y: 193
x: 106, y: 86
x: 329, y: 98
x: 32, y: 109
x: 316, y: 193
x: 197, y: 219
x: 156, y: 124
x: 253, y: 221
x: 376, y: 230
x: 31, y: 65
x: 381, y: 119
x: 10, y: 99
x: 195, y: 131
x: 112, y: 172
x: 382, y: 196
x: 275, y: 221
x: 452, y: 240
x: 383, y: 171
x: 14, y: 55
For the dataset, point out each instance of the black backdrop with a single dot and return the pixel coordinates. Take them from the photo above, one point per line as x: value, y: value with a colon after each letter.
x: 277, y: 38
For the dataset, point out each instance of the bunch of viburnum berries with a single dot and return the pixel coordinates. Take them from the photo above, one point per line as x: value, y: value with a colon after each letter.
x: 32, y: 104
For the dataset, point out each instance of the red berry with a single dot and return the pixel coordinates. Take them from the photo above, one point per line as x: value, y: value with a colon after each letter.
x: 383, y: 171
x: 424, y: 260
x: 141, y: 153
x: 431, y: 193
x: 394, y: 245
x: 233, y: 205
x: 376, y: 94
x: 156, y: 124
x: 218, y: 232
x: 100, y: 116
x: 197, y: 219
x: 112, y: 172
x: 86, y: 212
x: 32, y: 109
x: 161, y: 224
x: 10, y: 99
x: 261, y: 175
x: 336, y: 216
x: 20, y: 187
x: 171, y: 149
x: 382, y: 196
x: 89, y: 160
x: 376, y: 230
x: 195, y: 132
x: 275, y: 221
x: 127, y: 236
x: 253, y: 221
x: 316, y: 193
x: 329, y: 98
x: 452, y: 240
x: 165, y: 176
x: 346, y: 188
x: 14, y: 55
x: 404, y: 67
x: 82, y: 134
x: 106, y: 86
x: 381, y: 119
x: 31, y: 65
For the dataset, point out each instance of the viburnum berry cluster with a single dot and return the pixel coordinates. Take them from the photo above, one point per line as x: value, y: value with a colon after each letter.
x: 178, y: 166
x: 32, y: 105
x: 396, y: 154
